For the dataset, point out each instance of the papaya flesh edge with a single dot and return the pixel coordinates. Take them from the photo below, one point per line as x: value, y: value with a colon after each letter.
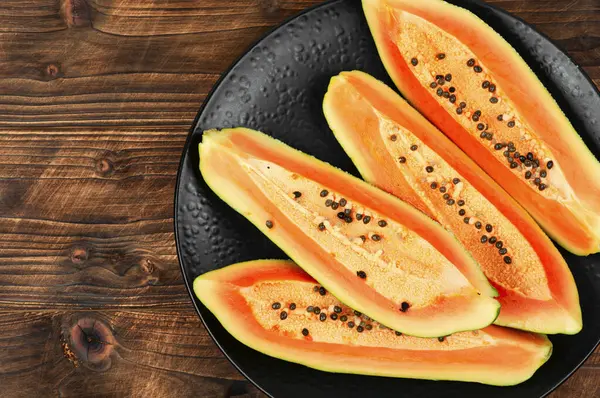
x: 401, y: 268
x: 555, y: 176
x: 399, y: 151
x: 249, y: 298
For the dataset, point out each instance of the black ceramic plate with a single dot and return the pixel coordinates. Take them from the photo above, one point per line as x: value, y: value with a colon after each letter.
x: 278, y: 87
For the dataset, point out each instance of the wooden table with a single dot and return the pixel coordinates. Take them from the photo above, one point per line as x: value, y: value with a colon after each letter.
x: 96, y: 100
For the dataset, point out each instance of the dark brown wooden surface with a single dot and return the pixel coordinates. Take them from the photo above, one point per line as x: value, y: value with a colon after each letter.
x: 96, y: 100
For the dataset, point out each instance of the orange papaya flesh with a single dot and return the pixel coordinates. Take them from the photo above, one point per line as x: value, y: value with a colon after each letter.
x: 469, y: 82
x: 274, y: 307
x: 373, y: 251
x: 377, y: 129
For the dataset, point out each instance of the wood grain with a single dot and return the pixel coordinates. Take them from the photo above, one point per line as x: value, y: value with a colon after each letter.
x: 96, y: 99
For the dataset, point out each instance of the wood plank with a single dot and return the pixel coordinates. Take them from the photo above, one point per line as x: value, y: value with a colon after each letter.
x: 111, y: 157
x: 118, y: 353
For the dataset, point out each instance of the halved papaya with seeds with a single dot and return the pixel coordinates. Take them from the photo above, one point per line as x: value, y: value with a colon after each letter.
x: 379, y: 131
x: 272, y: 306
x: 469, y: 82
x: 373, y: 251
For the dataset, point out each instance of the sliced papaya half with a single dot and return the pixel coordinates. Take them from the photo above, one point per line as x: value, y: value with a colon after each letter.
x: 274, y: 307
x: 379, y: 131
x: 376, y: 253
x: 469, y: 82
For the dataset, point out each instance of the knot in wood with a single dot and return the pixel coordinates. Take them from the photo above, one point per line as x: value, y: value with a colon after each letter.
x: 75, y: 13
x: 53, y: 71
x: 104, y: 167
x: 90, y: 342
x: 79, y: 254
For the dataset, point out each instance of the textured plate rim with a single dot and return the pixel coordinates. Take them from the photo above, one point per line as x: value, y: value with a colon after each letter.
x: 215, y: 87
x: 186, y: 147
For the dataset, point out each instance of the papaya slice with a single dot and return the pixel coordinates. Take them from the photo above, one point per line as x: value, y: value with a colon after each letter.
x: 470, y: 83
x: 274, y: 307
x: 377, y: 129
x: 376, y: 253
